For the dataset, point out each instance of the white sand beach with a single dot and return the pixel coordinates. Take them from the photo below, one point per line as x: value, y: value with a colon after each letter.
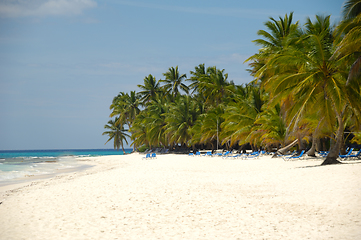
x: 182, y: 197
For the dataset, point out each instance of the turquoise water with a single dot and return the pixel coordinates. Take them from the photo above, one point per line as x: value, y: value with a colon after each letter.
x: 24, y: 163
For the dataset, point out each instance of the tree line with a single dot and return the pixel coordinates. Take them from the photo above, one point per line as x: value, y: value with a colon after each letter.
x: 306, y: 90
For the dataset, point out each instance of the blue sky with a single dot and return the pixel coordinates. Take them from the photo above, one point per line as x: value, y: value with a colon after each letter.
x: 63, y: 61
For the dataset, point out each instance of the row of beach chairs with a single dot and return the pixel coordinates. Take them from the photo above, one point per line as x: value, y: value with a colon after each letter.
x: 229, y: 154
x: 348, y: 156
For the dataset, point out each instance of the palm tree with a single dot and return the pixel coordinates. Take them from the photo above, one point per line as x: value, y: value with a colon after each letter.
x: 281, y: 33
x: 173, y: 81
x: 241, y: 114
x: 350, y: 47
x: 305, y: 71
x: 199, y: 72
x: 269, y: 128
x: 126, y: 106
x: 211, y: 126
x: 150, y: 88
x: 155, y: 119
x: 181, y: 117
x: 214, y: 85
x: 139, y: 131
x: 351, y: 9
x: 116, y: 132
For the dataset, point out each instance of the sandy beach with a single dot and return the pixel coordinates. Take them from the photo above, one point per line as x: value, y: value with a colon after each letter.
x: 182, y: 197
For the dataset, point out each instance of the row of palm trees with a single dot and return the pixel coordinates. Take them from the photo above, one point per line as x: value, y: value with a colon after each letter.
x: 306, y: 88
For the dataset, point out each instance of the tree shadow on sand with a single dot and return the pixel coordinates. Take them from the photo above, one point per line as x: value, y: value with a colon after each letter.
x: 342, y: 163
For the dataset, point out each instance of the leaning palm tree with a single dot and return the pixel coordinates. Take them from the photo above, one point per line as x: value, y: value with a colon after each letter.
x: 117, y: 133
x: 305, y: 72
x: 174, y: 81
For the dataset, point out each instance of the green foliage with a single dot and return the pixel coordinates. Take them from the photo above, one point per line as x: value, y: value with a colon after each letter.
x: 307, y: 83
x: 116, y: 132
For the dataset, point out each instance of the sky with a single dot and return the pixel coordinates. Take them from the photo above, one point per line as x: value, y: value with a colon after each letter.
x: 63, y: 61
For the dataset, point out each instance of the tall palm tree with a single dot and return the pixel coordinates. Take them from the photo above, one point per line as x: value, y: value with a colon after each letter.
x: 281, y: 33
x: 269, y: 128
x: 211, y: 126
x: 278, y: 35
x: 150, y: 88
x: 155, y: 112
x: 199, y: 72
x: 117, y: 133
x: 174, y: 81
x: 181, y: 117
x: 126, y: 106
x: 241, y: 114
x: 305, y: 71
x: 139, y: 131
x: 215, y: 86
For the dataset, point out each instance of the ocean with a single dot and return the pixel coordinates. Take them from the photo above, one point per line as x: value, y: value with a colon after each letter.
x: 20, y: 164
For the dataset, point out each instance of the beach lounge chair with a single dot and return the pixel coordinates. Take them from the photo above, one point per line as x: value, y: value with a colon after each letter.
x: 235, y: 156
x: 154, y: 155
x: 295, y: 157
x: 198, y: 153
x: 357, y: 155
x: 251, y: 155
x: 207, y: 154
x: 347, y: 155
x: 226, y: 154
x: 191, y: 154
x: 217, y: 155
x: 323, y: 153
x: 147, y: 156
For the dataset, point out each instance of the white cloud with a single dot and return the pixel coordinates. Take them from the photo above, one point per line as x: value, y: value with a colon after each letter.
x: 23, y: 8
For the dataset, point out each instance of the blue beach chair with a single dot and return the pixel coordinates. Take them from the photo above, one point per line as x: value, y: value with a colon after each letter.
x: 147, y: 156
x: 251, y: 155
x: 357, y: 155
x: 209, y: 154
x: 347, y: 155
x: 295, y: 157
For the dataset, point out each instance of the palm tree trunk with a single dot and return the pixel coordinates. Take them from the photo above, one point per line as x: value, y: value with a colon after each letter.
x: 282, y: 151
x: 312, y: 151
x: 335, y: 149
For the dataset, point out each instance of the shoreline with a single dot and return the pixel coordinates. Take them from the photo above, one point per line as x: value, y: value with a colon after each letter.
x: 24, y: 181
x: 182, y: 197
